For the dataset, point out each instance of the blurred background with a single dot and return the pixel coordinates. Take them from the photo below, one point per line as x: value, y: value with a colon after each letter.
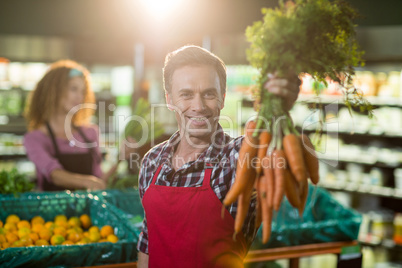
x: 124, y: 42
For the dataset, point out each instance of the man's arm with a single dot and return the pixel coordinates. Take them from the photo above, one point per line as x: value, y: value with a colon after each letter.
x: 143, y: 260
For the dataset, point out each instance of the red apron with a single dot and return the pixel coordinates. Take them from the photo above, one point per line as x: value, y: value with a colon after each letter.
x: 185, y: 228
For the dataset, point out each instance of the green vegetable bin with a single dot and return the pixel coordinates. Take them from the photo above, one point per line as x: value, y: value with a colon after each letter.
x: 128, y: 204
x: 48, y: 205
x: 324, y: 220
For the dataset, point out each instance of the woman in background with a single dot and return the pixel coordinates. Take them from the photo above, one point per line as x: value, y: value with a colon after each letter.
x: 61, y: 142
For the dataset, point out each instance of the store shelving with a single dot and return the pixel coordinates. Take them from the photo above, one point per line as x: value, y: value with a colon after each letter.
x: 362, y: 189
x: 327, y: 99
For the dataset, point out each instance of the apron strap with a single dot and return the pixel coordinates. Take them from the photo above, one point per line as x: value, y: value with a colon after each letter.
x: 207, y: 175
x: 91, y: 150
x: 156, y: 175
x: 56, y: 148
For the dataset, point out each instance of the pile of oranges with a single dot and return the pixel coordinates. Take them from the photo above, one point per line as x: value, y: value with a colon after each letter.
x: 61, y: 231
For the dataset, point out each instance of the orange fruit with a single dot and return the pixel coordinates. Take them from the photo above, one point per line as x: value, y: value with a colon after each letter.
x: 50, y: 225
x: 5, y: 245
x: 74, y: 237
x: 26, y: 241
x: 60, y: 218
x: 74, y: 222
x: 1, y: 224
x: 12, y: 219
x: 34, y: 236
x: 37, y: 219
x: 45, y: 234
x: 106, y: 230
x: 11, y: 238
x: 2, y: 238
x: 36, y: 227
x: 68, y: 242
x: 94, y: 229
x: 9, y: 227
x: 23, y: 232
x: 60, y: 230
x: 85, y: 234
x: 94, y: 237
x: 17, y: 244
x: 112, y: 238
x: 85, y: 221
x: 2, y: 231
x: 83, y: 241
x: 103, y: 240
x: 57, y: 239
x: 41, y: 242
x: 23, y: 224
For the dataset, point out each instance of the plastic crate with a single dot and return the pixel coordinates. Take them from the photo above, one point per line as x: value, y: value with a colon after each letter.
x: 128, y: 204
x: 48, y: 205
x: 324, y: 220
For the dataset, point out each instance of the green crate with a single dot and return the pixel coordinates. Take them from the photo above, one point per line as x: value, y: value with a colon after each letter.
x: 324, y: 220
x: 128, y: 204
x: 48, y: 205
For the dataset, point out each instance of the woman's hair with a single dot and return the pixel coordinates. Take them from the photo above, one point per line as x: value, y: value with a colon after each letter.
x: 50, y: 90
x: 189, y: 56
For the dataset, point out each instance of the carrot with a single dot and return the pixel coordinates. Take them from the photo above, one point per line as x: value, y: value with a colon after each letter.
x: 292, y: 189
x: 245, y: 173
x: 311, y: 159
x: 279, y: 167
x: 258, y: 218
x: 242, y: 206
x: 265, y: 210
x: 294, y: 155
x: 265, y: 139
x: 270, y: 182
x: 303, y: 197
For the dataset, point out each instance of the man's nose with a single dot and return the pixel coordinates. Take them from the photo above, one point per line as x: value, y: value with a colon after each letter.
x: 198, y: 104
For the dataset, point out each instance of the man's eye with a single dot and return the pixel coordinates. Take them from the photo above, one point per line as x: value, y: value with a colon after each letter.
x: 209, y: 95
x: 186, y: 95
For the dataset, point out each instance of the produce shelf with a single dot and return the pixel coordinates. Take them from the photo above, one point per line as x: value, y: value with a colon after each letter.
x: 363, y: 189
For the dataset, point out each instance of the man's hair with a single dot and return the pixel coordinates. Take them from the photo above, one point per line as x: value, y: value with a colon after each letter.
x: 192, y: 56
x: 51, y: 89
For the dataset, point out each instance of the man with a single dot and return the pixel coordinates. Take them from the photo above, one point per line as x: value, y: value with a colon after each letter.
x: 184, y: 180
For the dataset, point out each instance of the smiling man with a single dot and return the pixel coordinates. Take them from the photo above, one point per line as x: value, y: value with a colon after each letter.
x: 184, y: 180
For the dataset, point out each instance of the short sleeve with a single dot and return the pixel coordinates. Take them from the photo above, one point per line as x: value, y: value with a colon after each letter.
x: 38, y: 149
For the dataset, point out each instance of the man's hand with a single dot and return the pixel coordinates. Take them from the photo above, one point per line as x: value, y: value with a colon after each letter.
x: 288, y: 89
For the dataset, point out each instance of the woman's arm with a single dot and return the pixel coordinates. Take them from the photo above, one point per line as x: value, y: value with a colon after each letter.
x: 71, y: 180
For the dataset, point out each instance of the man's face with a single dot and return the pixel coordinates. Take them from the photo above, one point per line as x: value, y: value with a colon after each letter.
x: 197, y: 99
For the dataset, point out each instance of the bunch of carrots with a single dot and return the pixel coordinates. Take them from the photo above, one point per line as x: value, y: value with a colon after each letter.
x: 275, y: 160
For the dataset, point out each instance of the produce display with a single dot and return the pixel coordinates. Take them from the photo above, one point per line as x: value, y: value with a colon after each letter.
x: 13, y: 182
x: 143, y: 127
x: 16, y: 232
x: 306, y: 36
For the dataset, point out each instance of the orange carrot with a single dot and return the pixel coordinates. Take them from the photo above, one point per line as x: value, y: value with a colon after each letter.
x: 265, y: 139
x: 294, y: 156
x: 292, y: 189
x: 303, y: 197
x: 242, y: 206
x: 279, y: 167
x: 311, y: 159
x: 270, y: 181
x: 245, y: 173
x: 258, y: 218
x: 265, y: 210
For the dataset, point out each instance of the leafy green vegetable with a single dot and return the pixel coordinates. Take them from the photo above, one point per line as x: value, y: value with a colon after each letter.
x: 13, y: 182
x: 129, y: 181
x: 142, y: 123
x: 306, y: 36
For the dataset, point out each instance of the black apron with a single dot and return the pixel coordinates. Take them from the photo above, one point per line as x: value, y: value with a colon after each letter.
x: 81, y: 163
